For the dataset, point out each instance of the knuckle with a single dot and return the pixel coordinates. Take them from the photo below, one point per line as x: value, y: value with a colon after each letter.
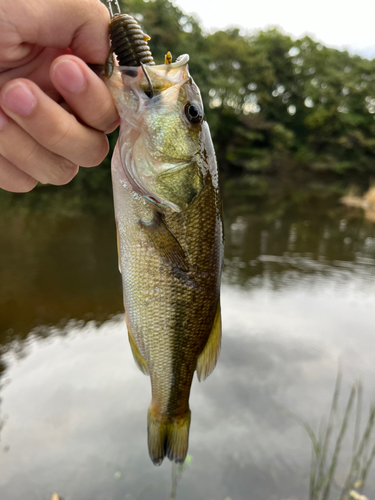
x: 103, y: 116
x: 98, y: 153
x: 65, y: 174
x: 60, y: 171
x: 26, y: 185
x: 113, y: 126
x: 13, y: 179
x: 102, y: 9
x: 102, y: 153
x: 30, y: 151
x: 59, y: 135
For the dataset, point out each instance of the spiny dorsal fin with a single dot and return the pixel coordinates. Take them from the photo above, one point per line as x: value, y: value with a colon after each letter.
x: 208, y: 357
x: 165, y: 242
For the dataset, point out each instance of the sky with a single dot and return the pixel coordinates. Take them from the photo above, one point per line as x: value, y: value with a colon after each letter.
x: 337, y: 23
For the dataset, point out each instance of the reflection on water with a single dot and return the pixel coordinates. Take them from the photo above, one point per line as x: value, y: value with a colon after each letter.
x: 54, y: 269
x: 298, y: 296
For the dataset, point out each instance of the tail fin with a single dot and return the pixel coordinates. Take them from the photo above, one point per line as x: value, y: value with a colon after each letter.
x: 168, y: 437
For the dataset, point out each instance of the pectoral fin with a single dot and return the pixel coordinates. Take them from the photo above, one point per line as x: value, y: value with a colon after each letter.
x: 208, y: 357
x: 165, y: 241
x: 180, y: 186
x: 138, y: 358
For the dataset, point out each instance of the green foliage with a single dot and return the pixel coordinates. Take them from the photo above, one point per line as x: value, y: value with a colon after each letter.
x: 310, y: 100
x: 271, y: 101
x: 269, y: 97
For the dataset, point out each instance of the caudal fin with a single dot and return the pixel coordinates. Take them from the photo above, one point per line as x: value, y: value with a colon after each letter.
x: 168, y: 438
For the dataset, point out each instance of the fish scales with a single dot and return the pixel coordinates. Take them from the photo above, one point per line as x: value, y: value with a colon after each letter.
x: 168, y: 215
x: 165, y: 306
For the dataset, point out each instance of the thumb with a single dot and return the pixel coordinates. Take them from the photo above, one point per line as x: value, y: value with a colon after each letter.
x: 81, y: 25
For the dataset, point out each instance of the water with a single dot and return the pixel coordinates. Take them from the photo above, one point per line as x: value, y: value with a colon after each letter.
x: 297, y: 302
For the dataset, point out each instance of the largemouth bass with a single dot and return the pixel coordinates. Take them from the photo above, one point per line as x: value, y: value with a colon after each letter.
x: 170, y: 236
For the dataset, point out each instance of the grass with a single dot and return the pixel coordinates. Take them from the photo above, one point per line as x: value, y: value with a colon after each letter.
x: 328, y: 442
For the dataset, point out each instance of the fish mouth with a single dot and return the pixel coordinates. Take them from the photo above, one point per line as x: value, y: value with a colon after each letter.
x: 179, y: 62
x: 157, y: 78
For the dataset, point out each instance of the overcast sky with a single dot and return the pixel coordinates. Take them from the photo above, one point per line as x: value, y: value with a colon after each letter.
x: 337, y: 23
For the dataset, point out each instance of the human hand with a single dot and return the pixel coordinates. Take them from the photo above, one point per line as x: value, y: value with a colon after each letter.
x: 54, y: 111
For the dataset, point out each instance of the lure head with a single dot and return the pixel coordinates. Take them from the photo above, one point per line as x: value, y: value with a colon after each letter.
x: 165, y: 143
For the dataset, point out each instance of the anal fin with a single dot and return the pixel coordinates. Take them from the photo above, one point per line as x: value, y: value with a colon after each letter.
x: 208, y: 357
x: 165, y: 242
x: 138, y: 358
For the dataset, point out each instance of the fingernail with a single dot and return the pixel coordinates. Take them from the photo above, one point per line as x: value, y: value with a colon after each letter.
x: 3, y: 120
x: 19, y: 99
x: 70, y: 76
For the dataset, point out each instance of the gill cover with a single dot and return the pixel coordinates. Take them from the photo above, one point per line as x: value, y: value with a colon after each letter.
x: 164, y: 140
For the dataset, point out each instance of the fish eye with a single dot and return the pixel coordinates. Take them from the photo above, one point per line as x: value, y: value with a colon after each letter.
x: 193, y: 113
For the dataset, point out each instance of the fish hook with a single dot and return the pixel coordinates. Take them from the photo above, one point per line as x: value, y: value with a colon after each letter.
x: 148, y: 80
x: 117, y: 6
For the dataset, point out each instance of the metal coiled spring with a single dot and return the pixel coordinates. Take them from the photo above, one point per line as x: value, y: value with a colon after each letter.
x: 129, y: 43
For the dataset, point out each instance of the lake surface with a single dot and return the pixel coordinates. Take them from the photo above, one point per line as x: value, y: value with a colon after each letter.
x: 298, y: 305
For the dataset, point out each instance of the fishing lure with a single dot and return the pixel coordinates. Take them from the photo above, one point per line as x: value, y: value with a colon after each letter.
x: 128, y: 41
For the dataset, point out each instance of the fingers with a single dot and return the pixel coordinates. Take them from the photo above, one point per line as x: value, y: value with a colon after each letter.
x: 43, y: 141
x: 50, y: 125
x: 13, y: 179
x: 82, y: 26
x: 86, y: 94
x: 40, y: 140
x: 21, y: 154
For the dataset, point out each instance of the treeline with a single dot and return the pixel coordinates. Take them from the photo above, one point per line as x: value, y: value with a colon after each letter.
x: 271, y: 99
x: 273, y: 103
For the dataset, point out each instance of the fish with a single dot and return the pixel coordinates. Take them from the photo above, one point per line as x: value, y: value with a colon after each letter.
x: 170, y: 239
